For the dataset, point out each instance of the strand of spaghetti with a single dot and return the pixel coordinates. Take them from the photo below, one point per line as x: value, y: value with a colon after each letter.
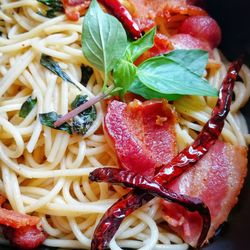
x: 19, y: 4
x: 20, y: 65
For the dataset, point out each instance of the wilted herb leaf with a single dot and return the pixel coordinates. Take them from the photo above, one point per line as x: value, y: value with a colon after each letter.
x: 54, y: 67
x: 83, y: 121
x: 86, y: 74
x: 48, y: 119
x: 27, y: 106
x: 55, y: 6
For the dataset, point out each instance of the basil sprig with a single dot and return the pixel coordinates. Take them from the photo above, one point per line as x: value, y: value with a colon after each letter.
x: 104, y: 44
x: 104, y: 39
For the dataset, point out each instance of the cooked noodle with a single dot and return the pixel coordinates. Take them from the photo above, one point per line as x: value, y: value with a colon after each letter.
x: 45, y: 171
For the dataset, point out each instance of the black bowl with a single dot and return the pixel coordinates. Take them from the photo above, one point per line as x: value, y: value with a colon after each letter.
x: 234, y: 18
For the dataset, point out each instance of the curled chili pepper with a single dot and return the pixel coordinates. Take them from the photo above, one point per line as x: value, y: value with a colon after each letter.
x: 183, y: 161
x: 123, y: 15
x: 134, y: 180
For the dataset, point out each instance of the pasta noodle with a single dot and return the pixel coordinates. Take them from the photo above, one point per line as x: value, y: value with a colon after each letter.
x: 45, y: 171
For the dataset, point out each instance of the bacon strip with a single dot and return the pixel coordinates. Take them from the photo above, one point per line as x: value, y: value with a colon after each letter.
x: 28, y: 237
x: 133, y: 131
x: 16, y: 220
x: 217, y: 180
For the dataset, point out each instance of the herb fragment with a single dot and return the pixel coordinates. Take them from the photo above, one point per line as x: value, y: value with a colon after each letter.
x: 84, y: 120
x: 27, y: 106
x: 86, y: 74
x: 80, y: 123
x: 54, y: 6
x: 54, y: 67
x: 104, y: 40
x: 48, y: 119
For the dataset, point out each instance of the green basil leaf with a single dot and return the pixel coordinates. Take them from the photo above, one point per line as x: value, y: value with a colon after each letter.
x: 194, y: 60
x: 139, y: 88
x: 54, y: 67
x: 168, y: 77
x: 115, y: 91
x: 138, y: 47
x: 48, y: 119
x: 124, y: 74
x: 83, y: 121
x: 104, y: 39
x: 86, y: 74
x: 27, y: 106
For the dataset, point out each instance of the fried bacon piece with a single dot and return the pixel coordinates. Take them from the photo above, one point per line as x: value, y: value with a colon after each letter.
x: 27, y: 237
x: 21, y: 229
x: 16, y: 220
x: 202, y: 27
x: 75, y: 8
x: 217, y: 180
x: 133, y: 131
x: 186, y: 41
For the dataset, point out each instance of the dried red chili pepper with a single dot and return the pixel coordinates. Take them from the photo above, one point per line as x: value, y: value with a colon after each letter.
x: 123, y: 15
x: 184, y: 160
x: 134, y: 180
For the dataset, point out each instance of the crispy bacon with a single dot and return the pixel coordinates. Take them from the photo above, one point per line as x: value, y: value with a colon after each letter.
x: 217, y: 180
x: 75, y: 8
x: 20, y: 229
x: 202, y: 27
x: 134, y: 130
x: 28, y: 237
x: 16, y: 220
x: 186, y: 41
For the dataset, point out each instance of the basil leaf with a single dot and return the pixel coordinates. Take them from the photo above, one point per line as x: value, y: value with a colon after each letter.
x: 194, y: 60
x: 139, y: 88
x: 168, y: 77
x: 104, y: 39
x: 54, y: 7
x: 27, y: 106
x: 138, y: 47
x: 86, y: 74
x: 124, y: 74
x: 83, y: 121
x: 48, y: 119
x: 54, y: 67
